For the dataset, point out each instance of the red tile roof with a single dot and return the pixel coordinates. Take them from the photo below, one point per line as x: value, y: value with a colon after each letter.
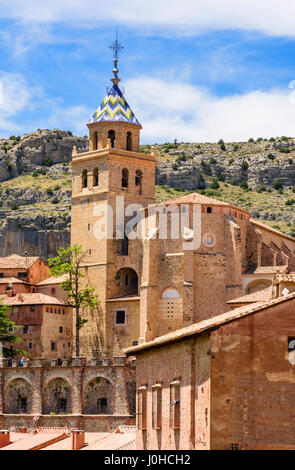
x: 264, y: 294
x: 53, y: 280
x: 16, y: 261
x: 31, y: 299
x: 208, y: 324
x: 196, y: 198
x: 11, y: 280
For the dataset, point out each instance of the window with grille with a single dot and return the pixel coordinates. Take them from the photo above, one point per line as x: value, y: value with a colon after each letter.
x: 142, y: 407
x: 175, y: 404
x: 157, y: 406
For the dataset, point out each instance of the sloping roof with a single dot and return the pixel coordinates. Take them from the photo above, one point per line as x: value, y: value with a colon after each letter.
x: 53, y: 280
x: 16, y: 261
x: 196, y: 198
x: 270, y: 229
x: 209, y: 324
x: 267, y: 270
x: 31, y: 299
x: 264, y: 294
x: 11, y: 280
x: 114, y: 108
x: 284, y: 278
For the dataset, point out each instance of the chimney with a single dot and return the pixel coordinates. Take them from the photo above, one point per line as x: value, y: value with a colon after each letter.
x: 4, y: 438
x: 78, y: 439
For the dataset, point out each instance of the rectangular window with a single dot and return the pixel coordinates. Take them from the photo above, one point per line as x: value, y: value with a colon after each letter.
x: 22, y: 275
x: 32, y: 308
x: 157, y: 406
x: 120, y: 317
x: 175, y: 404
x: 142, y: 407
x: 53, y: 346
x: 60, y: 329
x: 1, y: 275
x: 30, y: 345
x: 25, y: 329
x: 291, y: 343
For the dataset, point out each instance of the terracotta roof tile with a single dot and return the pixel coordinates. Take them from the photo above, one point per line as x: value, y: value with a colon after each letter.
x: 264, y: 294
x: 53, y: 280
x: 31, y: 299
x: 196, y: 198
x: 11, y: 280
x: 267, y: 269
x: 16, y: 261
x: 208, y: 324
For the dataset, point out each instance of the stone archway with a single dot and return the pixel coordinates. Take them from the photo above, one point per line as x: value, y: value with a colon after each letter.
x: 18, y: 397
x: 126, y: 281
x: 57, y: 397
x: 98, y: 397
x: 257, y: 285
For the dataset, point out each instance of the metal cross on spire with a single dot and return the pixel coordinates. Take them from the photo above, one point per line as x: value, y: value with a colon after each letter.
x: 116, y: 47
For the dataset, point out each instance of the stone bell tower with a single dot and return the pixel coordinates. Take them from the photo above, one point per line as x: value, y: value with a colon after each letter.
x: 113, y: 168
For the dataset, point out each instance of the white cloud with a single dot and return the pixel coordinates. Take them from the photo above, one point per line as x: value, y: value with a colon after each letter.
x: 16, y: 97
x: 191, y: 16
x: 172, y: 110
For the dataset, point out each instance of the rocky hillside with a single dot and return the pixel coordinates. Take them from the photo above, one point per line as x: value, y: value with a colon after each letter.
x: 35, y: 183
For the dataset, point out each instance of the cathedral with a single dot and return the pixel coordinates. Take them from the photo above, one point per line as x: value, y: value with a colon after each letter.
x: 193, y: 256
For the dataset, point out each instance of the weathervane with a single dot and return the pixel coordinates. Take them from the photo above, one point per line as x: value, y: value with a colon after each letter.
x: 116, y: 47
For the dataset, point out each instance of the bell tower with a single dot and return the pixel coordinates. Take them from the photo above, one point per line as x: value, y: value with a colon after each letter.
x: 113, y: 169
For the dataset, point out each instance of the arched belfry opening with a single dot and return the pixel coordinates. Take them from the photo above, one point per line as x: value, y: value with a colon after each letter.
x: 112, y: 137
x: 95, y: 177
x: 129, y: 141
x: 125, y: 178
x: 84, y: 179
x: 138, y: 181
x: 127, y: 281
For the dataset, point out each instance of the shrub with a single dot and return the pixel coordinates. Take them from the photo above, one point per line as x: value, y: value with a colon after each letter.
x: 272, y: 139
x: 57, y: 187
x: 49, y: 191
x: 213, y: 161
x: 290, y: 161
x: 55, y: 200
x: 251, y: 140
x: 271, y: 156
x: 231, y: 160
x: 235, y: 148
x: 220, y: 142
x: 214, y: 184
x: 277, y: 184
x: 14, y: 206
x: 289, y: 202
x: 47, y: 162
x: 260, y: 139
x: 244, y: 185
x: 284, y: 150
x: 261, y: 188
x: 245, y: 165
x: 222, y: 147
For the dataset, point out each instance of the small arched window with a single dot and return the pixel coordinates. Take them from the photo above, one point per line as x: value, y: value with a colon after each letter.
x: 112, y: 137
x: 125, y: 177
x: 171, y: 293
x: 138, y: 180
x: 95, y: 177
x: 94, y: 140
x: 129, y: 141
x: 84, y: 179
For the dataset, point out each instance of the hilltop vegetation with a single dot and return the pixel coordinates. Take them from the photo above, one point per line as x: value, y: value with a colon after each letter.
x: 35, y: 182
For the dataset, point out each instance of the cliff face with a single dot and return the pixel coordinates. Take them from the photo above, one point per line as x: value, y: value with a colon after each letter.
x: 35, y: 189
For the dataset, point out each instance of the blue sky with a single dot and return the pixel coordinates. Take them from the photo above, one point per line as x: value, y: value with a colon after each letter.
x: 194, y: 71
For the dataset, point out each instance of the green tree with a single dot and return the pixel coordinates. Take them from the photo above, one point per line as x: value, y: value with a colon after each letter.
x: 80, y: 295
x: 6, y: 332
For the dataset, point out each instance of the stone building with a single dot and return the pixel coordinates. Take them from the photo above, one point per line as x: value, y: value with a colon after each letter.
x: 154, y: 283
x: 223, y: 383
x: 46, y: 324
x: 75, y: 395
